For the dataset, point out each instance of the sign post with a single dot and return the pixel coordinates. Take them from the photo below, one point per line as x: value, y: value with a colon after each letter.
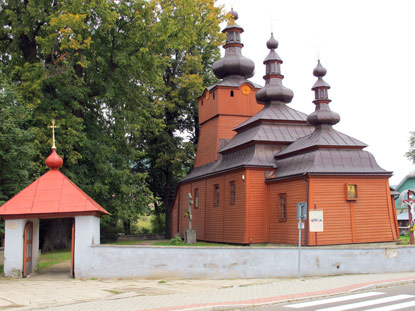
x: 301, y: 215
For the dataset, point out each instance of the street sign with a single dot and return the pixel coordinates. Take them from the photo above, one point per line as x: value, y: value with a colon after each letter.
x: 301, y: 211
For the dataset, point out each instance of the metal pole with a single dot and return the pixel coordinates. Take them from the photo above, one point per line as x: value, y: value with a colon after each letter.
x: 299, y: 248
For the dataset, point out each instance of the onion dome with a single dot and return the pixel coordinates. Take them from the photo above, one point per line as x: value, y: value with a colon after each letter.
x: 273, y: 89
x: 233, y: 63
x: 54, y: 161
x: 322, y: 114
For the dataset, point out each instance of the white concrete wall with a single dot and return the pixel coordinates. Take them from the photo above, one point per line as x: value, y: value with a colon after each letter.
x: 109, y: 261
x: 13, y: 246
x: 87, y: 233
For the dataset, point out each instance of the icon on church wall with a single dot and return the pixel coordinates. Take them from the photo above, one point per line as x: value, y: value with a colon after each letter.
x: 351, y: 192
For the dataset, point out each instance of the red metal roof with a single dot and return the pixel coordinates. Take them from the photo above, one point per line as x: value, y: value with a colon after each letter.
x: 52, y: 193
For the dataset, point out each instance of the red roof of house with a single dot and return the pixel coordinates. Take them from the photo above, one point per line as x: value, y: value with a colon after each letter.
x: 52, y: 193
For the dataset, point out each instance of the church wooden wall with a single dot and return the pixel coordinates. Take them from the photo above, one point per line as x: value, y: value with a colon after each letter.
x: 285, y: 232
x: 219, y: 114
x: 257, y: 229
x: 220, y: 101
x: 223, y: 223
x: 368, y: 219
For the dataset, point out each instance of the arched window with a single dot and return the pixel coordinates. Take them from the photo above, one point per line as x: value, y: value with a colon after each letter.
x: 232, y: 94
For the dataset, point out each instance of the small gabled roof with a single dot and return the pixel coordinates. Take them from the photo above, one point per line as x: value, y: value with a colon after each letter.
x: 411, y: 175
x: 52, y: 193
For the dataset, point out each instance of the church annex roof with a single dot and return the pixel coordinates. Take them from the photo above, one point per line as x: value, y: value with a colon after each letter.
x: 52, y: 194
x: 321, y: 137
x: 329, y: 161
x: 259, y: 155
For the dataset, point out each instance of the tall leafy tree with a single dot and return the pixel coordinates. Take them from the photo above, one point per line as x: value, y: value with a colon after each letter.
x: 188, y: 43
x: 87, y: 65
x: 121, y: 79
x: 16, y: 142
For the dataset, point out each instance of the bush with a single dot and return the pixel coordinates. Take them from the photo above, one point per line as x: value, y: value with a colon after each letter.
x: 109, y: 229
x: 176, y: 241
x: 158, y: 224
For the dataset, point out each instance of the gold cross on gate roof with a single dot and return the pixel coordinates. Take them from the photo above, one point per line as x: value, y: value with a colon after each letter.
x: 53, y: 127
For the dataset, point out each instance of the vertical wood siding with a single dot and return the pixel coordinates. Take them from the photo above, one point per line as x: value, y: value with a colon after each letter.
x: 184, y: 223
x: 222, y: 103
x: 220, y: 127
x: 373, y: 212
x: 258, y: 218
x: 234, y: 214
x: 285, y: 232
x: 214, y: 214
x: 198, y: 219
x: 207, y: 146
x: 219, y: 115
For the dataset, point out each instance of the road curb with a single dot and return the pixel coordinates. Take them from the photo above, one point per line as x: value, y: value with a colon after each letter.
x: 212, y: 306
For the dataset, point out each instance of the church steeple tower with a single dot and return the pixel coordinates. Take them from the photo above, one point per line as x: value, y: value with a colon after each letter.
x: 228, y: 103
x: 322, y: 115
x: 233, y: 63
x: 273, y: 89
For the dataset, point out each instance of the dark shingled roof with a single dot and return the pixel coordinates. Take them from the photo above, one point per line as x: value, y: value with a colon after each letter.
x: 269, y: 132
x: 256, y: 155
x: 329, y: 161
x: 323, y: 136
x: 276, y: 111
x: 234, y: 81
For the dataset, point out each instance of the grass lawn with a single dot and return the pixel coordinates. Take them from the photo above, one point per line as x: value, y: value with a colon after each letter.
x: 53, y: 258
x: 125, y: 242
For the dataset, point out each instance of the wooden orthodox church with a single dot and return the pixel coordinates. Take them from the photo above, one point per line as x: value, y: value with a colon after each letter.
x: 257, y: 158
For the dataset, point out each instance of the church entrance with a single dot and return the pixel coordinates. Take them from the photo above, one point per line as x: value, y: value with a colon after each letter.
x: 56, y: 244
x: 28, y: 249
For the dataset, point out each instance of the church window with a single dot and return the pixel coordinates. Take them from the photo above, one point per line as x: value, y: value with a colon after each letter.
x: 213, y: 95
x: 196, y: 198
x: 232, y: 197
x: 283, y: 207
x: 216, y: 199
x: 232, y: 93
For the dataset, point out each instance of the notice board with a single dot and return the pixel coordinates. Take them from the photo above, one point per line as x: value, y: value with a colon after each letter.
x: 316, y: 221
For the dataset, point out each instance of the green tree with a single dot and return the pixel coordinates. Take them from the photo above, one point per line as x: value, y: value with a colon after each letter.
x: 16, y: 147
x: 188, y: 44
x: 121, y: 79
x: 87, y: 65
x: 411, y: 153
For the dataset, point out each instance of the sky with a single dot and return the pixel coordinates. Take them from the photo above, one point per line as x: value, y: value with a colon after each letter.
x: 368, y: 49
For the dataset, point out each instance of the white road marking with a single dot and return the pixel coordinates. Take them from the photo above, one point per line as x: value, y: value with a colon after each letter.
x: 395, y: 307
x: 368, y: 303
x: 333, y: 300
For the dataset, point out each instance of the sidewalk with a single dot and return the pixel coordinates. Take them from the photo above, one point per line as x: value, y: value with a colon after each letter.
x: 53, y: 293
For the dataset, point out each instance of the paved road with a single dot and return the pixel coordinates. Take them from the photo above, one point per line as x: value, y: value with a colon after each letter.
x: 383, y: 299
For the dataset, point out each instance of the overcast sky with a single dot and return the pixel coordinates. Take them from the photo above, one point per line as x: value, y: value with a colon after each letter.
x: 368, y: 49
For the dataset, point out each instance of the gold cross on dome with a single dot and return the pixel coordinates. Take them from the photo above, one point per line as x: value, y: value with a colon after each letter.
x: 53, y: 127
